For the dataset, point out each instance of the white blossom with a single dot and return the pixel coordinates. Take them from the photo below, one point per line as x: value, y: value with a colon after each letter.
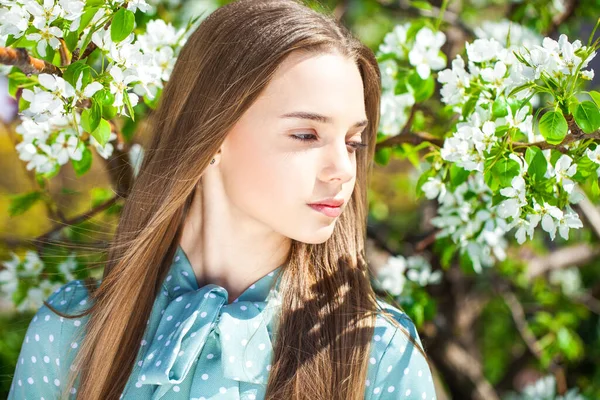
x: 68, y: 266
x: 66, y: 147
x: 564, y: 169
x: 9, y: 275
x: 394, y: 112
x: 32, y: 264
x: 482, y: 50
x: 425, y: 53
x: 394, y: 42
x: 391, y: 275
x: 419, y: 271
x: 434, y: 187
x: 550, y: 216
x: 119, y: 87
x: 455, y: 81
x: 47, y: 35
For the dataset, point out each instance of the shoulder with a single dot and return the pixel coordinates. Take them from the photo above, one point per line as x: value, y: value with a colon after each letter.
x: 56, y: 322
x: 396, y: 325
x: 71, y: 298
x: 398, y: 362
x: 51, y: 343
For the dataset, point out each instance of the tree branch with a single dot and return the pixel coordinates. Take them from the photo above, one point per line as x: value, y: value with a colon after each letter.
x: 414, y: 138
x: 41, y: 240
x: 88, y: 50
x: 565, y: 257
x: 64, y: 58
x: 518, y: 314
x: 570, y: 138
x: 21, y: 59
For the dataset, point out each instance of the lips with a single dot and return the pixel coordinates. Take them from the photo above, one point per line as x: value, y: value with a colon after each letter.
x: 328, y: 203
x: 326, y: 210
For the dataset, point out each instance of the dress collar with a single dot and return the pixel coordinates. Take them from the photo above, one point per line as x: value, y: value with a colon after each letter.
x: 181, y: 279
x: 193, y: 315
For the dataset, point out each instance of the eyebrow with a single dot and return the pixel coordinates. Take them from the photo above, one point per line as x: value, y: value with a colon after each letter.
x: 319, y: 118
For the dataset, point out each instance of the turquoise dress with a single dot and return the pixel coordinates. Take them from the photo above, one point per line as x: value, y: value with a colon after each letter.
x: 197, y: 346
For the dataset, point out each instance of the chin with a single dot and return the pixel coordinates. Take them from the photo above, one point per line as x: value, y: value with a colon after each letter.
x: 317, y: 236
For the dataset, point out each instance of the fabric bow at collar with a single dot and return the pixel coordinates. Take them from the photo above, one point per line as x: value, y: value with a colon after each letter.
x: 193, y: 318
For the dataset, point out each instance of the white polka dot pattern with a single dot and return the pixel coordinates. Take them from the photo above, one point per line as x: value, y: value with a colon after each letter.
x: 401, y: 371
x: 197, y: 345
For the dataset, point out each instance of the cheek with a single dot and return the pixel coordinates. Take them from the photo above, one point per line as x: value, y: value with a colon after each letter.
x: 265, y: 183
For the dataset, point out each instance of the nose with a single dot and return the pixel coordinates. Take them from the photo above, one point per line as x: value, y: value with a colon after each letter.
x: 339, y: 164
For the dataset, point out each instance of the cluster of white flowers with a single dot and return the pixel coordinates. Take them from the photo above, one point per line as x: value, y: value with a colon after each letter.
x: 478, y: 227
x: 16, y: 17
x: 137, y: 66
x: 421, y: 53
x: 392, y: 276
x: 28, y: 272
x: 493, y: 72
x: 50, y: 115
x: 499, y: 30
x: 467, y: 217
x: 141, y: 64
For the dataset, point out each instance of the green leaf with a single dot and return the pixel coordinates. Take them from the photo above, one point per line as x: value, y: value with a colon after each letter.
x: 537, y: 163
x: 87, y: 16
x: 20, y: 203
x: 505, y: 170
x: 499, y: 108
x: 382, y: 156
x: 422, y: 89
x: 16, y: 80
x: 458, y: 175
x: 587, y: 116
x: 595, y: 190
x: 596, y: 97
x: 71, y: 39
x: 102, y: 132
x: 72, y: 73
x: 104, y: 97
x: 127, y: 102
x: 553, y: 127
x: 90, y: 117
x: 121, y: 25
x: 83, y: 165
x: 422, y: 5
x: 410, y: 152
x: 10, y: 40
x: 469, y: 106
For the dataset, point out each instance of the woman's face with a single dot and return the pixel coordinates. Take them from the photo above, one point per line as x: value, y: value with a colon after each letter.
x: 271, y: 176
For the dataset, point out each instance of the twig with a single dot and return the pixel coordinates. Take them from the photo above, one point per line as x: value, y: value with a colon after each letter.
x: 467, y: 365
x: 543, y: 145
x: 412, y: 138
x: 518, y: 314
x: 64, y: 58
x: 21, y: 59
x: 88, y: 50
x: 40, y: 241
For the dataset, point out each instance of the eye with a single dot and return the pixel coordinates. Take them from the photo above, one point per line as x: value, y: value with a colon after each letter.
x: 311, y: 138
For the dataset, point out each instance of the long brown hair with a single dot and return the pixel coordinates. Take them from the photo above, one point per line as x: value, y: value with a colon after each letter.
x: 328, y: 305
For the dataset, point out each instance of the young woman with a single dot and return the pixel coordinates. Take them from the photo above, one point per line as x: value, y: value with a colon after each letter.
x: 224, y: 279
